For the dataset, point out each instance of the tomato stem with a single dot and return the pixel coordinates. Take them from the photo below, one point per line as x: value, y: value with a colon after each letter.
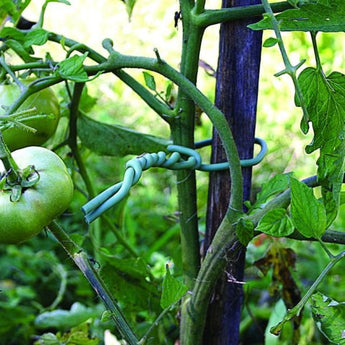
x: 9, y: 163
x: 86, y: 266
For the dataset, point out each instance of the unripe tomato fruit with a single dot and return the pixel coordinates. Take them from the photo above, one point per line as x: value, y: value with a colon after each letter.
x: 40, y: 204
x: 45, y: 103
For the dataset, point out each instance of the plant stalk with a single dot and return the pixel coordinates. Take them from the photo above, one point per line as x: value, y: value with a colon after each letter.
x: 182, y: 133
x: 9, y: 163
x: 82, y: 261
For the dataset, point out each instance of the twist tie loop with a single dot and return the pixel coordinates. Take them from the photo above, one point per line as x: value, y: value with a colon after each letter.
x: 134, y: 168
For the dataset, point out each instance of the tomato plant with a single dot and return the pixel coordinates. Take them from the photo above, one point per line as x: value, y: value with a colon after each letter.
x: 45, y: 104
x: 40, y: 204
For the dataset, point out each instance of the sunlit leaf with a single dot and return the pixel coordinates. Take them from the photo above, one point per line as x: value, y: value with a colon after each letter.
x: 129, y: 6
x: 308, y: 214
x: 150, y: 81
x: 276, y: 223
x: 273, y: 186
x: 270, y: 42
x: 73, y: 69
x: 324, y: 98
x: 36, y: 37
x: 313, y: 16
x: 12, y: 9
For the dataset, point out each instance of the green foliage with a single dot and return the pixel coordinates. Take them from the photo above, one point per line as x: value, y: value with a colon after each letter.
x: 310, y: 16
x: 245, y: 230
x: 325, y: 102
x: 73, y: 69
x: 131, y: 283
x: 310, y: 221
x: 76, y: 336
x: 329, y: 316
x: 129, y: 6
x: 44, y: 294
x: 113, y: 140
x: 173, y: 290
x: 276, y: 223
x: 66, y: 319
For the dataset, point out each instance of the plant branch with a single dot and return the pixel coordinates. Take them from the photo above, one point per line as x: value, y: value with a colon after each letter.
x: 32, y: 88
x: 159, y: 107
x: 182, y: 133
x: 82, y: 261
x: 117, y: 61
x: 212, y: 17
x: 289, y: 68
x: 298, y: 307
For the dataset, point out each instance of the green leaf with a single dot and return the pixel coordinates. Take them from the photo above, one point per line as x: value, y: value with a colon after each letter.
x: 150, y: 81
x: 12, y: 9
x: 48, y: 339
x: 65, y: 319
x: 329, y: 316
x: 130, y: 282
x: 308, y: 214
x: 12, y: 33
x: 78, y: 336
x: 173, y: 290
x: 278, y: 312
x: 129, y: 6
x: 275, y: 185
x: 276, y: 223
x: 245, y: 230
x: 315, y: 16
x: 270, y: 42
x: 36, y: 37
x: 59, y: 1
x: 325, y: 102
x: 7, y: 8
x: 73, y: 68
x: 20, y: 50
x: 113, y: 140
x: 342, y: 198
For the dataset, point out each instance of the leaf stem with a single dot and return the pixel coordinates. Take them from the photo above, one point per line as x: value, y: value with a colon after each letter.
x: 316, y: 51
x: 289, y: 68
x: 154, y: 324
x: 298, y: 307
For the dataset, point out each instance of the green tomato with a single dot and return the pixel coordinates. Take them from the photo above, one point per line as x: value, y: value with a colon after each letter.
x: 45, y: 102
x: 40, y: 204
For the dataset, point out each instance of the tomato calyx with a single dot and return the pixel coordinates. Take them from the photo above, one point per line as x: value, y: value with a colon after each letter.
x: 26, y: 178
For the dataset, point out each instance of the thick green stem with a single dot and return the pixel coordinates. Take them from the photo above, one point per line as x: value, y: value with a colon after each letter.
x: 182, y: 132
x: 211, y: 17
x: 72, y: 137
x: 82, y: 261
x: 224, y: 248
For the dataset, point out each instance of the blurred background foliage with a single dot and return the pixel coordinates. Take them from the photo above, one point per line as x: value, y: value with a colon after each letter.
x: 37, y: 277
